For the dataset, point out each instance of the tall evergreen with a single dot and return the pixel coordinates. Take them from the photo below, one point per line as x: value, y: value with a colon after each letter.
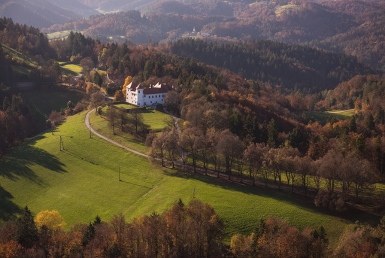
x: 369, y: 122
x: 352, y: 124
x: 26, y: 230
x: 380, y: 116
x: 299, y: 139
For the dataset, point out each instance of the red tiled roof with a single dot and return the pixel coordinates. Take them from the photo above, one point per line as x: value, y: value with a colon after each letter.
x: 155, y: 90
x: 133, y: 86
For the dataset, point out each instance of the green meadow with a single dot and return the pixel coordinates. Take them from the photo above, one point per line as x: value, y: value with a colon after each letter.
x: 155, y: 119
x: 70, y: 68
x: 27, y: 63
x: 324, y: 116
x: 82, y: 181
x: 60, y: 34
x: 279, y: 10
x: 55, y: 99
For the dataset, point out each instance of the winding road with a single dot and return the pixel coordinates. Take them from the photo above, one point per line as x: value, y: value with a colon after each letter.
x: 179, y: 162
x: 87, y: 121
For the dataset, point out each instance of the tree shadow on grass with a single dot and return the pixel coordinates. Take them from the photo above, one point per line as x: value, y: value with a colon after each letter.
x: 8, y: 209
x: 287, y: 197
x: 16, y: 164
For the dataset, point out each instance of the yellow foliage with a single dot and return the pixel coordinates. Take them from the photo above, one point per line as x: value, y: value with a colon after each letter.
x: 51, y: 219
x: 119, y: 96
x: 127, y: 81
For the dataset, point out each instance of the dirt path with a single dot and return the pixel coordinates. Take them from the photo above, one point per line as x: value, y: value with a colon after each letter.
x: 87, y: 121
x: 209, y: 172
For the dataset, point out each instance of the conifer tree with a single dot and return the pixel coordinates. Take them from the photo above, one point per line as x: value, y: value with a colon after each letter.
x: 352, y: 124
x: 26, y: 230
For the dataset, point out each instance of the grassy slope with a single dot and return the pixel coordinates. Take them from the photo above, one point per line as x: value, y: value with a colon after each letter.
x: 70, y: 68
x: 60, y: 34
x: 52, y: 100
x: 155, y: 119
x: 82, y: 182
x: 323, y: 117
x: 28, y: 63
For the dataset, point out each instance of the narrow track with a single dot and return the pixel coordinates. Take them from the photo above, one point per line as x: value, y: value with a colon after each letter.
x: 87, y: 121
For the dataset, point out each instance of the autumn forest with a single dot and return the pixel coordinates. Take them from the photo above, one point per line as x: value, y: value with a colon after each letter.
x: 266, y: 111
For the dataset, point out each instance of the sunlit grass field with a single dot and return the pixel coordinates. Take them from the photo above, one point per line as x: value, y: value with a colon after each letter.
x: 82, y: 181
x: 60, y: 34
x: 27, y: 63
x: 72, y: 68
x: 279, y: 10
x: 155, y: 119
x: 324, y: 116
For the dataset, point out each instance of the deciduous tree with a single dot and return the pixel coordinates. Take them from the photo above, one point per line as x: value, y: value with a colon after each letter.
x: 51, y: 219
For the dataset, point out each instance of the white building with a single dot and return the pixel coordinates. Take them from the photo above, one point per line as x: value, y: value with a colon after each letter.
x: 153, y: 95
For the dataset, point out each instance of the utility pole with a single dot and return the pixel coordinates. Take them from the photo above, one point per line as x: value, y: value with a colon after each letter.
x: 90, y: 130
x: 61, y: 143
x: 119, y: 173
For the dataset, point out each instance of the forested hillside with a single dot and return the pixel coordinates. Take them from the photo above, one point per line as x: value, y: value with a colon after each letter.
x: 363, y: 93
x: 290, y: 66
x: 353, y: 27
x: 243, y: 108
x: 25, y: 56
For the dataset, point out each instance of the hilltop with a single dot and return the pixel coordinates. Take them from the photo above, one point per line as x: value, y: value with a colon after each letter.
x: 330, y: 25
x: 37, y: 13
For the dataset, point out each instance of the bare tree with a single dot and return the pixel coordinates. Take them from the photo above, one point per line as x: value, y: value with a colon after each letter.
x: 190, y: 140
x: 172, y: 102
x: 171, y: 146
x: 253, y: 156
x: 204, y: 150
x: 136, y: 119
x: 272, y: 160
x: 328, y: 167
x: 212, y: 138
x: 361, y: 175
x: 96, y: 100
x: 286, y: 163
x: 158, y: 150
x: 230, y: 148
x: 112, y: 115
x: 122, y: 119
x: 304, y: 168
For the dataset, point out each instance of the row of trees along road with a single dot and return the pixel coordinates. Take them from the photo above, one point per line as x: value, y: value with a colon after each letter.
x: 127, y: 121
x: 337, y: 176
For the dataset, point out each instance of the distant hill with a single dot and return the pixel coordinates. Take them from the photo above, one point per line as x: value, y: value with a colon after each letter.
x: 353, y: 27
x: 133, y: 26
x: 36, y: 13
